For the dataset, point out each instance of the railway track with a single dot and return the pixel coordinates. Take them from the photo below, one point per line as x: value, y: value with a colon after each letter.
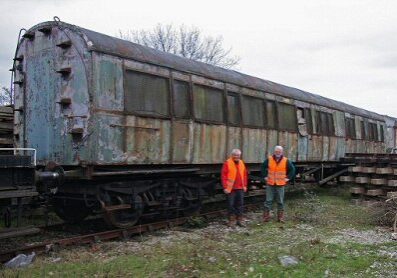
x: 56, y: 244
x: 209, y: 211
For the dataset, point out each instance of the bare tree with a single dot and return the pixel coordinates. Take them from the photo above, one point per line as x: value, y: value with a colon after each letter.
x: 5, y: 96
x: 184, y: 41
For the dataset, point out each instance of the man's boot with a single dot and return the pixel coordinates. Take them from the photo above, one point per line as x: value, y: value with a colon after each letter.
x: 266, y: 216
x: 240, y: 221
x: 232, y: 221
x: 280, y: 216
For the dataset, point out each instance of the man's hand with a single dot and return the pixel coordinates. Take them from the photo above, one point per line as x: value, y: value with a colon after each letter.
x: 287, y: 179
x: 266, y: 179
x: 225, y: 191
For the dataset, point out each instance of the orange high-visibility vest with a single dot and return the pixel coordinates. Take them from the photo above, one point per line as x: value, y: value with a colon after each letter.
x: 232, y: 174
x: 277, y: 172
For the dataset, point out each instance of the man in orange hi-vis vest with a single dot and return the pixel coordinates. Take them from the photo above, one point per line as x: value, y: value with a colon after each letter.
x: 277, y: 170
x: 234, y: 181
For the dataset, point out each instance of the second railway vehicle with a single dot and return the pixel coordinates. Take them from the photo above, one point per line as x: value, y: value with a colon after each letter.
x: 129, y: 130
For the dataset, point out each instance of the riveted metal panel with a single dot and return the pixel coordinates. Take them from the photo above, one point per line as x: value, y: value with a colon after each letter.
x: 234, y: 140
x: 182, y: 141
x: 147, y: 140
x: 254, y: 144
x: 109, y: 147
x: 303, y: 145
x: 341, y: 147
x: 109, y: 92
x: 350, y: 146
x: 272, y: 141
x: 326, y: 142
x: 333, y: 144
x: 339, y: 123
x: 209, y: 143
x: 40, y: 94
x: 315, y: 148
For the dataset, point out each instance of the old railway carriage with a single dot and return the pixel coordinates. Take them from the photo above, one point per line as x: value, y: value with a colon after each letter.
x: 133, y: 130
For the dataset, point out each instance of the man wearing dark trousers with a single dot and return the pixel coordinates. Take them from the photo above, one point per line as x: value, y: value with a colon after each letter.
x: 234, y: 181
x: 277, y: 171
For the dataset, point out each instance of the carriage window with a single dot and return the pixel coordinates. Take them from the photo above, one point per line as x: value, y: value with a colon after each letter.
x: 318, y: 122
x: 309, y: 120
x: 376, y: 132
x: 271, y: 115
x: 233, y: 109
x: 373, y: 132
x: 364, y: 134
x: 330, y: 125
x: 350, y: 128
x: 146, y: 94
x: 181, y: 99
x: 287, y: 117
x: 382, y: 135
x: 253, y: 111
x: 208, y: 103
x: 324, y: 123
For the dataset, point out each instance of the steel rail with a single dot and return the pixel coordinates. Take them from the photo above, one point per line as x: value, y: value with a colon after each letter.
x: 46, y: 246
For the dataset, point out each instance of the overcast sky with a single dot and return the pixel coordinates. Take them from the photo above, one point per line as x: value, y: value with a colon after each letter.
x: 345, y: 50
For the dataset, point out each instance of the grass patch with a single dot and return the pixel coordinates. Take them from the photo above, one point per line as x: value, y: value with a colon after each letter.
x: 215, y: 251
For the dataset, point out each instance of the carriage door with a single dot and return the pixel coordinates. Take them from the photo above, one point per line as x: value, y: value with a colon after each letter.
x: 182, y: 125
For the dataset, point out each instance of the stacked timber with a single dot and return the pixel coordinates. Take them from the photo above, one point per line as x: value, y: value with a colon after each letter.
x: 6, y: 126
x: 371, y: 176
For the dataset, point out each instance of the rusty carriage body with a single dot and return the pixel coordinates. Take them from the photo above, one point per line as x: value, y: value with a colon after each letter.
x: 134, y: 130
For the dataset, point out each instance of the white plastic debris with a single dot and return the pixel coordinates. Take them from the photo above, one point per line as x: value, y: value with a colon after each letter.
x: 21, y: 260
x: 288, y: 260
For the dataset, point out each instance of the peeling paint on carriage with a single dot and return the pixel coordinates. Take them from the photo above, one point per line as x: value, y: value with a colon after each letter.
x: 209, y: 143
x: 107, y: 134
x: 254, y: 144
x: 182, y: 141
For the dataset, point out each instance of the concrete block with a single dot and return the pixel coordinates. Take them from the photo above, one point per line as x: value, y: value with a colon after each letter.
x: 368, y: 170
x: 375, y: 192
x: 391, y: 194
x: 392, y: 183
x: 384, y: 171
x: 378, y: 181
x: 362, y: 180
x: 346, y: 179
x: 357, y: 190
x: 357, y: 169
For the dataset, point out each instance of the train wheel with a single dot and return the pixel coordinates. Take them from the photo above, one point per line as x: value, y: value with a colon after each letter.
x: 191, y: 204
x: 71, y: 211
x: 121, y: 213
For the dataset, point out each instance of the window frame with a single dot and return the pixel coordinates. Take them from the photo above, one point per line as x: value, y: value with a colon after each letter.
x: 309, y: 120
x: 238, y: 97
x: 267, y: 126
x: 190, y: 101
x: 347, y: 134
x: 381, y: 133
x: 278, y: 117
x: 148, y: 114
x: 263, y: 126
x: 194, y: 117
